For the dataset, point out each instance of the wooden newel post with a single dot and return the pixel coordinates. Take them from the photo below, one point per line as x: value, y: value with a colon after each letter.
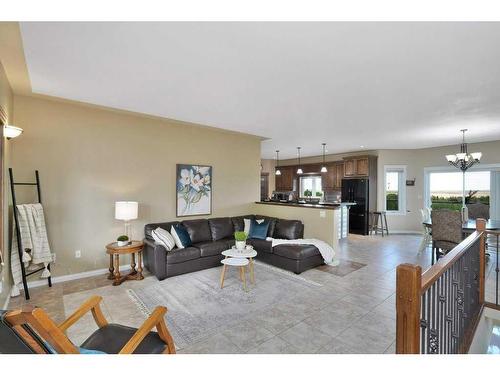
x: 481, y: 227
x: 408, y: 295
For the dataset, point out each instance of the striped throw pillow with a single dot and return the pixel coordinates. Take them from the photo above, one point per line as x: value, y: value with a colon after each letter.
x: 162, y: 236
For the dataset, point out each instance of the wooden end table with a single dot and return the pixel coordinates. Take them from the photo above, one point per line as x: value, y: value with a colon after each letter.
x: 115, y: 251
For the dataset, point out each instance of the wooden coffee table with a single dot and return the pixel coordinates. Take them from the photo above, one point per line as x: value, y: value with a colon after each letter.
x: 115, y: 251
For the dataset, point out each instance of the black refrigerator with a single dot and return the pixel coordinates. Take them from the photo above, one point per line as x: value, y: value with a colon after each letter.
x: 356, y: 190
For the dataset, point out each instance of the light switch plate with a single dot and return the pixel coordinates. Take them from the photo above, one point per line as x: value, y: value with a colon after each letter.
x: 322, y: 213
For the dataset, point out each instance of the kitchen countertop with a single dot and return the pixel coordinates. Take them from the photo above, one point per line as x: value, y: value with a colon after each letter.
x: 324, y: 206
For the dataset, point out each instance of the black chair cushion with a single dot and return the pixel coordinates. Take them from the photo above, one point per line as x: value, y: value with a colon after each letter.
x: 10, y: 341
x: 289, y: 229
x: 182, y: 255
x: 149, y: 227
x: 199, y: 230
x: 111, y: 339
x: 211, y: 248
x: 221, y: 228
x: 239, y: 223
x: 296, y: 251
x: 261, y: 245
x: 272, y: 223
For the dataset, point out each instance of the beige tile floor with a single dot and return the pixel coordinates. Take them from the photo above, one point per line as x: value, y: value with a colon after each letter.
x: 358, y: 318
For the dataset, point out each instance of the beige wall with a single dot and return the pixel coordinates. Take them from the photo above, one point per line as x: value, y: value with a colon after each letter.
x: 6, y: 105
x: 89, y: 158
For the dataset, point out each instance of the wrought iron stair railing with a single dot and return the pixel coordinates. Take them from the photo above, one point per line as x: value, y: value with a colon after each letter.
x: 437, y: 312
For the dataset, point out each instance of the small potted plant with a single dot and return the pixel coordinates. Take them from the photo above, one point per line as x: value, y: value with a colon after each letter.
x: 308, y: 194
x: 240, y: 238
x: 123, y: 240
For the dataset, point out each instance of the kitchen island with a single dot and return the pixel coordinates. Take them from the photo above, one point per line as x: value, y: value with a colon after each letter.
x: 328, y: 222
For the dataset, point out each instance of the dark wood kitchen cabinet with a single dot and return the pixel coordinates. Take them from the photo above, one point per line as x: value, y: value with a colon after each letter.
x: 361, y: 166
x: 285, y: 181
x: 339, y: 175
x: 328, y: 178
x: 349, y: 168
x: 332, y: 178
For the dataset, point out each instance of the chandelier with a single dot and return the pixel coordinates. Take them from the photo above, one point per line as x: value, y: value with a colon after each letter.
x: 463, y: 160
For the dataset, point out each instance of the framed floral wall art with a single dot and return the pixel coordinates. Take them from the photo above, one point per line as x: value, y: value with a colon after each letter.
x: 194, y: 190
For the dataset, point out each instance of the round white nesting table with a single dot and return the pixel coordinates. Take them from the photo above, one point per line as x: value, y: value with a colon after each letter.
x: 246, y: 254
x: 241, y: 263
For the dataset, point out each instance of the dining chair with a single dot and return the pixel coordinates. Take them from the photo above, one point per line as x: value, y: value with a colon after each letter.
x: 446, y: 231
x: 428, y: 211
x: 478, y: 211
x: 31, y: 330
x: 482, y: 211
x: 426, y: 231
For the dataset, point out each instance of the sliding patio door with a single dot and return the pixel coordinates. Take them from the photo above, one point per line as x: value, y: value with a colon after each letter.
x: 444, y: 188
x: 495, y: 195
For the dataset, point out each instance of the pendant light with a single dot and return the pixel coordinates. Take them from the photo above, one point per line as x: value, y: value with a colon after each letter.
x: 299, y: 170
x: 323, y: 168
x: 278, y: 172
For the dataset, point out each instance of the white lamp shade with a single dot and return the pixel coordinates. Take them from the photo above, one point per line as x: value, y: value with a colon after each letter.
x: 10, y: 131
x: 278, y: 172
x: 476, y: 155
x: 323, y: 169
x: 299, y: 171
x: 126, y: 210
x: 451, y: 158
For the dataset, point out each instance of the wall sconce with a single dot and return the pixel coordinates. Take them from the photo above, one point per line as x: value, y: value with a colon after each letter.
x: 10, y: 131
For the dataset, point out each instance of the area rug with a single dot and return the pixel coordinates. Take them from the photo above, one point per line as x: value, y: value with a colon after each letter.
x: 344, y: 268
x: 198, y: 307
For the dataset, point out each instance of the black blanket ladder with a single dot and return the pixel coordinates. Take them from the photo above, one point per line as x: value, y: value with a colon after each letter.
x: 25, y: 274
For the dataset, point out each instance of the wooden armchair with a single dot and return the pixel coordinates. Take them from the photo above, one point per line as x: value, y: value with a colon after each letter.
x: 42, y: 335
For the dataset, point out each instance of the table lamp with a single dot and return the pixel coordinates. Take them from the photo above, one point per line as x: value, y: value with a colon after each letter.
x: 126, y: 211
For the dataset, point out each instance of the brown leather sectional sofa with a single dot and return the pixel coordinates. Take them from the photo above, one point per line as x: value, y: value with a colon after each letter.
x: 212, y: 236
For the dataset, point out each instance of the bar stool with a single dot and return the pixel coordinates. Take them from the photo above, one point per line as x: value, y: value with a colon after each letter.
x: 374, y: 219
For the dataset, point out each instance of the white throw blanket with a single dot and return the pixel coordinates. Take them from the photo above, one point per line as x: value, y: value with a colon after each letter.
x: 326, y: 250
x: 33, y: 237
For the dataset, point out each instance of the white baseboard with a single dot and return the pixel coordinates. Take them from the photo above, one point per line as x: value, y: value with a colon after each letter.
x: 74, y: 276
x: 405, y: 232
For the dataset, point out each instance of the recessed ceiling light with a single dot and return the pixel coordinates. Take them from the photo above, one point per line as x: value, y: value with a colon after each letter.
x: 362, y: 146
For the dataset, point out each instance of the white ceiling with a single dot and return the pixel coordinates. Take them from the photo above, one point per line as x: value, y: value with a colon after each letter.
x: 377, y: 85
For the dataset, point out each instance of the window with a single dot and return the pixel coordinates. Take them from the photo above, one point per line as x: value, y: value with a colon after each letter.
x: 310, y: 187
x: 395, y: 189
x: 444, y: 189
